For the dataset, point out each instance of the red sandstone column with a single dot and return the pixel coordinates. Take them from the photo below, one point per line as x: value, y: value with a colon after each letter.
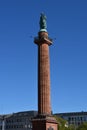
x: 43, y: 42
x: 44, y: 120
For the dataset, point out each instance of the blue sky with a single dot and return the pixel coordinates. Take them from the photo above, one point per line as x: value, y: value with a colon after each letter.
x: 67, y: 25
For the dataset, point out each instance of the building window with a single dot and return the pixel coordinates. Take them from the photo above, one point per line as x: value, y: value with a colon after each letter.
x: 69, y: 119
x: 50, y: 128
x: 81, y: 118
x: 72, y: 118
x: 84, y: 118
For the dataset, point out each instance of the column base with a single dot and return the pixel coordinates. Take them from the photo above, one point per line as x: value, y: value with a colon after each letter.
x: 44, y: 123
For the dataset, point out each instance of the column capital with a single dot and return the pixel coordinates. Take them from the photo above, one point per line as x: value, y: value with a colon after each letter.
x: 43, y: 38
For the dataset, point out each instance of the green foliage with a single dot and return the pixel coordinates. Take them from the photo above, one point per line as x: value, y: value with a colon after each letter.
x: 61, y: 124
x: 82, y: 126
x: 71, y: 127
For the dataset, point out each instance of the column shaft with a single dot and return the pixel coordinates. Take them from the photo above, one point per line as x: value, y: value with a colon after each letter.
x: 44, y: 106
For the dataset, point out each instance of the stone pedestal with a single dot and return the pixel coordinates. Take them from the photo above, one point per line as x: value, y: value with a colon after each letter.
x: 45, y: 123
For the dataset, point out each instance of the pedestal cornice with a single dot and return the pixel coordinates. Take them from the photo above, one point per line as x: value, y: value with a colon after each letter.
x: 43, y: 38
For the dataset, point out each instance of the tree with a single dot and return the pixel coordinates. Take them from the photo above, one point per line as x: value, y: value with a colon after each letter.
x: 83, y: 126
x: 62, y: 124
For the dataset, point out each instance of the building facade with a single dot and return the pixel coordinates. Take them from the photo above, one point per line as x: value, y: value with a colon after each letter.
x: 23, y: 120
x: 74, y: 118
x: 17, y: 121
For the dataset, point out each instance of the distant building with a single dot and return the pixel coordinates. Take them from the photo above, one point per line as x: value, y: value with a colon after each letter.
x: 22, y: 120
x: 17, y: 121
x: 74, y: 118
